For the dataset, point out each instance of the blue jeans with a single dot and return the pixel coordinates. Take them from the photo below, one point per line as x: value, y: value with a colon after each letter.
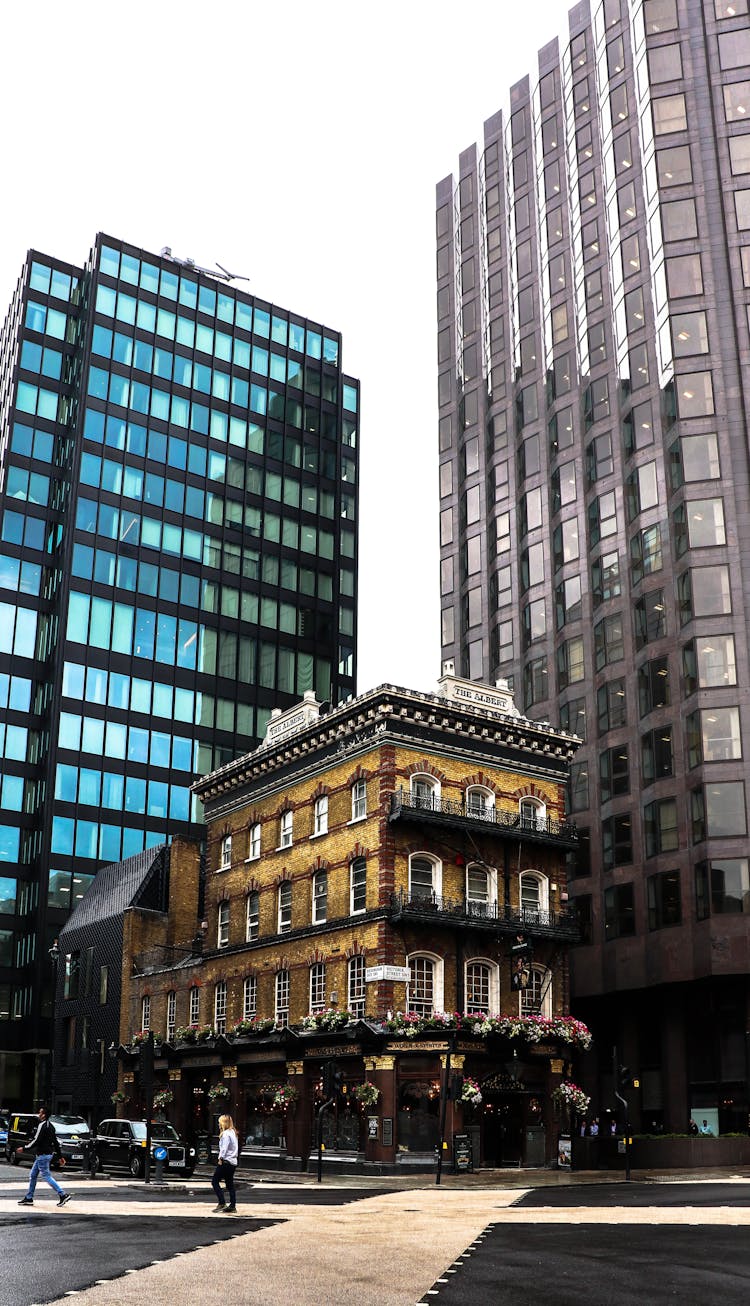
x: 225, y: 1171
x: 41, y: 1167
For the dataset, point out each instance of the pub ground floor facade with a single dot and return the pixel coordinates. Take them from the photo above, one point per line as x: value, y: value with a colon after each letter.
x: 272, y: 1087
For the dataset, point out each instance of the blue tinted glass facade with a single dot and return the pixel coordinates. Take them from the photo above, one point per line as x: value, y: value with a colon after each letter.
x: 178, y: 556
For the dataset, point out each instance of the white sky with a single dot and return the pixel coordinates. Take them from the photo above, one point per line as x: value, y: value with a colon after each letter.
x: 299, y: 144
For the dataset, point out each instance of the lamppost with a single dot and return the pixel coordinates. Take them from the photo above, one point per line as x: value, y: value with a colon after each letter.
x: 54, y: 956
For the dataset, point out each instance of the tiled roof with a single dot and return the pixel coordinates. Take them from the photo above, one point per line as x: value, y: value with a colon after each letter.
x: 117, y: 887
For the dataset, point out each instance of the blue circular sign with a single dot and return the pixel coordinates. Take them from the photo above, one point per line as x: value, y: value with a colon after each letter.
x: 160, y: 1153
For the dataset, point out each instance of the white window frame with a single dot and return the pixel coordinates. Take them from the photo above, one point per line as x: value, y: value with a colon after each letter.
x: 320, y: 816
x: 250, y: 997
x: 359, y: 862
x: 225, y: 859
x: 146, y: 1012
x: 423, y: 781
x: 222, y: 924
x: 220, y: 1007
x: 252, y: 916
x: 195, y: 1005
x: 171, y: 1014
x: 528, y: 822
x: 286, y: 829
x: 437, y: 981
x: 484, y: 811
x: 317, y: 987
x: 320, y: 897
x: 493, y: 979
x: 475, y: 905
x: 281, y: 998
x: 359, y: 801
x: 284, y: 907
x: 253, y: 847
x: 540, y: 982
x: 437, y: 873
x: 356, y: 988
x: 532, y: 913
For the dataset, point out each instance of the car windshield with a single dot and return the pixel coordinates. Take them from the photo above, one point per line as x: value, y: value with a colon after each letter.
x: 67, y: 1125
x: 160, y: 1129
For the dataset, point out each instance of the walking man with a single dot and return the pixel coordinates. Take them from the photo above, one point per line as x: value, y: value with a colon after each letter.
x: 44, y: 1145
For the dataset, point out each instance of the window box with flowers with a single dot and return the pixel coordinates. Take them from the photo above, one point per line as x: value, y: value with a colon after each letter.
x: 118, y: 1098
x: 141, y: 1036
x: 366, y: 1094
x: 528, y: 1029
x: 218, y: 1093
x: 325, y: 1020
x: 247, y: 1028
x: 164, y: 1097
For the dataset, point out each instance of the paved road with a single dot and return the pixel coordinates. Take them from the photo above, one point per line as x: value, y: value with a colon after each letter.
x: 45, y: 1255
x: 628, y: 1195
x: 605, y: 1265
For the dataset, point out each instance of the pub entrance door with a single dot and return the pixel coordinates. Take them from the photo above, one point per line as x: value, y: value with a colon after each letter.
x: 502, y: 1130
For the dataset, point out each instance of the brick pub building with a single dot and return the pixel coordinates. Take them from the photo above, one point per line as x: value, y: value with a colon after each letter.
x: 369, y: 870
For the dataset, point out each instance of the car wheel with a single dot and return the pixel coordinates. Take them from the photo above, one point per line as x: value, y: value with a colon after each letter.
x: 136, y: 1167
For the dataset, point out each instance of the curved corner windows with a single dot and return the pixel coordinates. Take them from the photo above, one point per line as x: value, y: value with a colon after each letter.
x: 709, y: 662
x: 320, y: 897
x: 722, y: 886
x: 222, y: 931
x: 356, y: 988
x: 425, y: 875
x: 424, y: 993
x: 713, y: 735
x: 284, y: 906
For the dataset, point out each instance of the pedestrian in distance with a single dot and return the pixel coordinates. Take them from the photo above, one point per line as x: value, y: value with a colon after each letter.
x: 45, y: 1147
x: 228, y: 1156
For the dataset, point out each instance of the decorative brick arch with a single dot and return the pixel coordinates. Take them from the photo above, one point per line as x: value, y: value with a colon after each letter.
x: 282, y: 964
x: 358, y: 850
x: 250, y: 972
x: 320, y: 864
x: 320, y: 791
x: 529, y: 790
x: 359, y: 773
x: 223, y: 896
x: 425, y: 768
x: 316, y: 957
x: 254, y: 818
x: 252, y: 886
x: 356, y: 950
x: 482, y: 781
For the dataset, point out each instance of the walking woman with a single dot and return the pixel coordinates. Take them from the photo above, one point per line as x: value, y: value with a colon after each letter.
x: 228, y: 1156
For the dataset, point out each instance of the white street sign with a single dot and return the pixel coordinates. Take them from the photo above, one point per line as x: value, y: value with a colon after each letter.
x: 397, y: 974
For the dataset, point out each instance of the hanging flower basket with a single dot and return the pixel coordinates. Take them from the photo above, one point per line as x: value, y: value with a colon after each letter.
x: 471, y: 1093
x: 569, y: 1097
x: 118, y: 1097
x: 165, y: 1097
x: 218, y: 1093
x: 366, y: 1094
x: 281, y: 1095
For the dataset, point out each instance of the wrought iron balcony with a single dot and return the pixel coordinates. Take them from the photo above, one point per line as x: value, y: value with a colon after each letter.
x: 406, y: 806
x: 490, y: 918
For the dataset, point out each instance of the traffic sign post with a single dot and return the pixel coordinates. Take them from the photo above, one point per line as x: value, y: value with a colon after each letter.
x: 160, y: 1156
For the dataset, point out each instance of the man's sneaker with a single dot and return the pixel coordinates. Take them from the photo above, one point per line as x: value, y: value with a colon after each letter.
x: 220, y: 1207
x: 63, y: 1198
x: 230, y: 1210
x: 26, y: 1201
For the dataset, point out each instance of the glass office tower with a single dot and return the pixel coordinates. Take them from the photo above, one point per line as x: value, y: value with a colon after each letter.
x: 178, y: 555
x: 593, y: 293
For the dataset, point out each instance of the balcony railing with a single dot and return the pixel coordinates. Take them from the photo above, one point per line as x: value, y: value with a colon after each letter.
x: 447, y: 811
x: 496, y: 917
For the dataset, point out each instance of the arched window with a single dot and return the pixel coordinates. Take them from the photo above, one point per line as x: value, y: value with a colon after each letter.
x: 222, y: 931
x: 536, y: 999
x: 195, y: 1005
x: 482, y: 986
x: 220, y: 1007
x: 359, y: 800
x: 253, y: 851
x: 320, y: 816
x: 286, y: 829
x: 171, y: 1014
x: 226, y: 853
x: 320, y: 897
x: 532, y: 814
x: 358, y: 885
x: 318, y: 986
x: 282, y: 998
x: 534, y: 897
x: 480, y: 803
x: 425, y: 877
x: 425, y: 791
x: 356, y: 989
x: 250, y: 998
x: 424, y: 992
x: 481, y: 890
x: 252, y: 923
